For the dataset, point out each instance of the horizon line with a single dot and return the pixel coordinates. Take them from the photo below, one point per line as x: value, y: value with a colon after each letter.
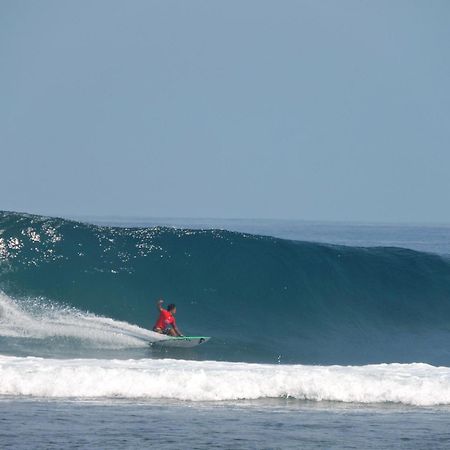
x: 130, y: 217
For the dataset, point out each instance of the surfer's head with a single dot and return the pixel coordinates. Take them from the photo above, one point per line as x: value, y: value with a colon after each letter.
x: 172, y: 308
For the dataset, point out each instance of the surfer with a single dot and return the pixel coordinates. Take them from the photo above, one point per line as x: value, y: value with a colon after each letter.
x: 166, y: 323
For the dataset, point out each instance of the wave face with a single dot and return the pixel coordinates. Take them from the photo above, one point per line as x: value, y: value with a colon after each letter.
x: 262, y: 299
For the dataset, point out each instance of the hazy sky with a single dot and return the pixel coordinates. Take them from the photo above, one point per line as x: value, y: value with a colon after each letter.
x: 326, y: 110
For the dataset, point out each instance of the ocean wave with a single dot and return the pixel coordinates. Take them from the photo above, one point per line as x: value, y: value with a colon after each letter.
x: 258, y: 296
x: 410, y: 384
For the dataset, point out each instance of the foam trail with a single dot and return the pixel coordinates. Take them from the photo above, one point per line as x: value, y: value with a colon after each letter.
x: 39, y: 319
x: 411, y: 384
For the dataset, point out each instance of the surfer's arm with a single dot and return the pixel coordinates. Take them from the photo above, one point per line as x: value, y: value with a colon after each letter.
x: 177, y: 330
x: 159, y: 304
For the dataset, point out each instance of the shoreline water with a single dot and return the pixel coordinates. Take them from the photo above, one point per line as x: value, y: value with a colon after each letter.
x: 281, y: 424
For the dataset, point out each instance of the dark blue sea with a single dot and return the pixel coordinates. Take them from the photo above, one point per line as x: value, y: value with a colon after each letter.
x: 324, y: 335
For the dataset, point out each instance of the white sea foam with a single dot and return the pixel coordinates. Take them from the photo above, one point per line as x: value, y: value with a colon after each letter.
x: 412, y: 384
x: 38, y: 319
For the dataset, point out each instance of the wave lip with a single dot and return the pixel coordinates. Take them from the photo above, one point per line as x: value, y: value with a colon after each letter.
x: 410, y: 384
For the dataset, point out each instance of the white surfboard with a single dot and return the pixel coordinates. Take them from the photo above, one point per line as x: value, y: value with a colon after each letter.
x: 181, y: 341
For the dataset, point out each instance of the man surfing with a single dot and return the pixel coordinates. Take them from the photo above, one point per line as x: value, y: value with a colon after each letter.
x: 166, y: 323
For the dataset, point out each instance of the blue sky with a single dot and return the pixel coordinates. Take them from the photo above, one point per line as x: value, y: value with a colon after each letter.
x: 319, y: 110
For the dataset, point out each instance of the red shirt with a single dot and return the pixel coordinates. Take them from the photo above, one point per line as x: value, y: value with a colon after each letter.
x: 165, y: 320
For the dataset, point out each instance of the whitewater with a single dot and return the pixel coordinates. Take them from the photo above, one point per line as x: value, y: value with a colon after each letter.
x: 409, y: 384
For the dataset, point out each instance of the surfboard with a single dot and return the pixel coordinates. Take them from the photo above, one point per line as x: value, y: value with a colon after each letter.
x: 182, y: 341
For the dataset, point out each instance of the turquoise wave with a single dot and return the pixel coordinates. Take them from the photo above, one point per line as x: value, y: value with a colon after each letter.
x: 262, y: 298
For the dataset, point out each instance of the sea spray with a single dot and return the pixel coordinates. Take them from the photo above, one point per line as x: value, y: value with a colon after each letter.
x: 40, y: 319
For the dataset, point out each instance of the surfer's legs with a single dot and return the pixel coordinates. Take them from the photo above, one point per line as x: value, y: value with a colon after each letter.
x: 168, y: 331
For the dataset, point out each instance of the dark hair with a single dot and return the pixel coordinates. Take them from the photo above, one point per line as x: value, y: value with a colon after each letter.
x: 170, y: 307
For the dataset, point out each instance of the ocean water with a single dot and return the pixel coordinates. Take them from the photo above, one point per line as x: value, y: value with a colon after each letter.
x: 42, y: 424
x: 324, y: 335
